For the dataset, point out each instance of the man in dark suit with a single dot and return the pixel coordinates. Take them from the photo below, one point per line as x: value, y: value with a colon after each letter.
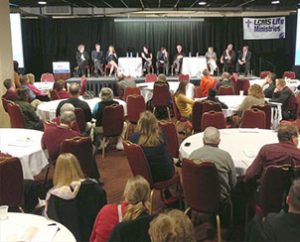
x: 244, y: 59
x: 283, y: 226
x: 82, y: 58
x: 228, y: 59
x: 162, y: 60
x: 98, y: 58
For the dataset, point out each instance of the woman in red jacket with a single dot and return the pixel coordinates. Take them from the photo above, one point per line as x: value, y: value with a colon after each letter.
x: 136, y: 196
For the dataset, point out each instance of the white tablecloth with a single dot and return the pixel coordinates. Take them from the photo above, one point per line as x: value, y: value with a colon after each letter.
x: 44, y: 86
x: 147, y: 89
x: 26, y: 145
x: 194, y: 66
x: 292, y: 84
x: 242, y: 144
x: 47, y: 110
x: 17, y: 224
x: 132, y: 66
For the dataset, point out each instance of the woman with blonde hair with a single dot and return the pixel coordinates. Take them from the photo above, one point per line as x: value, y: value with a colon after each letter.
x: 39, y: 94
x: 149, y: 136
x: 112, y: 59
x: 183, y: 103
x: 136, y: 196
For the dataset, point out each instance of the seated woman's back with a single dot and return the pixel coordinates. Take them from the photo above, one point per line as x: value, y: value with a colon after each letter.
x: 183, y: 103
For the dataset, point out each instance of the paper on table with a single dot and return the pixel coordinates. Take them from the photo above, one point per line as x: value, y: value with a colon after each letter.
x: 46, y: 233
x: 22, y: 141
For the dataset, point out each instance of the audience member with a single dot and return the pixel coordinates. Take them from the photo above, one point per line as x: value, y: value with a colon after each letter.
x: 269, y: 85
x: 74, y: 91
x: 55, y: 135
x: 123, y: 83
x: 206, y: 83
x: 283, y: 153
x: 283, y: 94
x: 59, y: 86
x: 162, y: 229
x: 32, y: 121
x: 183, y: 103
x: 39, y: 94
x: 212, y: 93
x: 67, y: 107
x: 225, y: 81
x: 149, y: 136
x: 24, y: 84
x: 11, y: 93
x: 282, y: 226
x: 136, y: 195
x: 222, y: 159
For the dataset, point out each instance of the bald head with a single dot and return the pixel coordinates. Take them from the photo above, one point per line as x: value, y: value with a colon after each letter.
x: 74, y: 90
x: 211, y: 135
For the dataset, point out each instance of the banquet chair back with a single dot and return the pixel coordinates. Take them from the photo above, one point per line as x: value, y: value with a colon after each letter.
x: 16, y: 116
x: 267, y: 109
x: 213, y: 119
x: 80, y: 119
x: 82, y: 148
x: 170, y: 132
x: 197, y: 92
x: 211, y: 106
x: 226, y: 90
x: 242, y: 85
x: 289, y: 75
x: 263, y: 74
x: 131, y: 91
x: 197, y: 112
x: 253, y: 118
x: 234, y: 77
x: 47, y: 77
x: 151, y: 78
x: 135, y: 106
x: 83, y: 85
x: 54, y: 95
x: 48, y: 125
x: 183, y: 77
x: 201, y: 188
x: 161, y: 97
x: 11, y: 181
x: 5, y: 103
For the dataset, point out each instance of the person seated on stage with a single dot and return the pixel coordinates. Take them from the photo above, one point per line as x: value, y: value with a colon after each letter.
x: 255, y: 97
x: 162, y: 60
x: 228, y: 59
x: 149, y: 136
x: 281, y: 153
x: 172, y: 226
x: 243, y: 61
x: 17, y: 75
x: 283, y: 94
x: 269, y: 85
x: 32, y: 121
x: 282, y: 226
x: 147, y: 59
x: 39, y: 94
x: 211, y: 58
x: 74, y: 91
x: 60, y: 87
x: 183, y: 103
x: 10, y: 93
x: 135, y: 205
x: 212, y: 93
x: 112, y: 59
x: 222, y: 159
x: 123, y: 83
x: 107, y: 99
x: 178, y: 58
x: 225, y: 81
x: 206, y: 83
x: 98, y: 59
x: 56, y: 134
x: 82, y: 59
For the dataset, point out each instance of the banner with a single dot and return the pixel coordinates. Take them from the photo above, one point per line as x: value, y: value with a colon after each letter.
x: 264, y: 28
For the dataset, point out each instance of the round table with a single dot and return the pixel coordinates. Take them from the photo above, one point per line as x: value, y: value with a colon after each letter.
x: 17, y: 227
x: 147, y: 89
x: 291, y: 83
x: 26, y: 145
x: 44, y: 86
x: 242, y: 144
x: 47, y: 110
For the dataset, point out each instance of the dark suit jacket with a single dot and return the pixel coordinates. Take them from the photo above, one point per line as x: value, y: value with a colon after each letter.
x: 78, y: 57
x: 248, y: 56
x: 97, y: 56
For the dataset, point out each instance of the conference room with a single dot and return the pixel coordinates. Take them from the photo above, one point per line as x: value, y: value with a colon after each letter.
x: 149, y: 120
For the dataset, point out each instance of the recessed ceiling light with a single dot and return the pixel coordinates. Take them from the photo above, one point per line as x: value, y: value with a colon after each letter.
x: 42, y: 2
x: 275, y: 2
x: 202, y: 3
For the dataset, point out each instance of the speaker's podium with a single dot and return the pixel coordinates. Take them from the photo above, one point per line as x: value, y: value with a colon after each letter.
x: 61, y: 70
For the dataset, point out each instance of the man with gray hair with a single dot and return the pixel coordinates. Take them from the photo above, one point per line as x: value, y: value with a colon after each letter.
x: 221, y: 158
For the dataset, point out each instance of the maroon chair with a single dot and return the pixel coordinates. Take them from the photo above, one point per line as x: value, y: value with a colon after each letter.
x: 80, y: 119
x: 289, y: 74
x: 201, y: 189
x: 47, y: 77
x: 4, y: 103
x: 151, y: 78
x: 16, y: 116
x: 11, y: 182
x: 253, y: 118
x: 197, y: 112
x: 211, y: 106
x: 139, y: 166
x: 54, y: 95
x: 264, y: 74
x: 213, y: 119
x: 183, y: 77
x: 112, y: 122
x: 160, y: 98
x: 170, y: 132
x: 267, y: 108
x: 48, y: 125
x: 131, y: 91
x: 226, y: 90
x: 242, y: 85
x: 197, y: 92
x: 83, y: 85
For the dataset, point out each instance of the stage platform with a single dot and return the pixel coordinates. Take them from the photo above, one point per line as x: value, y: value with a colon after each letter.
x: 94, y: 84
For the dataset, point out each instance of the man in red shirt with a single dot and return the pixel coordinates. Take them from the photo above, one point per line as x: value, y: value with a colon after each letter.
x: 11, y: 92
x: 206, y: 83
x: 283, y: 153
